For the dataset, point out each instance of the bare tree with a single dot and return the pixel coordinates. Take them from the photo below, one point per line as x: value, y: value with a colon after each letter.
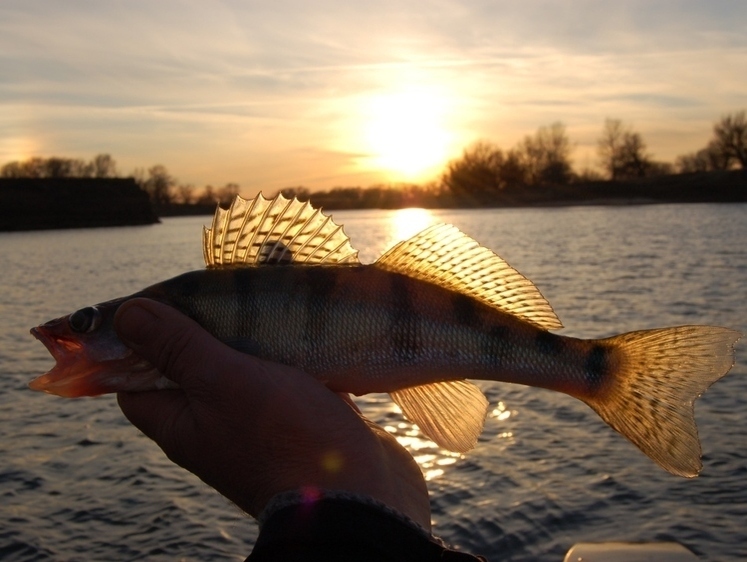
x: 622, y: 152
x: 103, y: 166
x: 227, y: 193
x: 302, y: 193
x: 185, y: 193
x: 512, y: 169
x: 608, y: 146
x: 12, y: 170
x: 731, y: 139
x: 34, y: 168
x: 57, y: 167
x: 208, y: 196
x: 159, y: 185
x: 475, y: 174
x: 704, y: 160
x: 548, y: 156
x: 727, y: 149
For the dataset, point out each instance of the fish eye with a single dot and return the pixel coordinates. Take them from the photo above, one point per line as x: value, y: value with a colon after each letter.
x: 85, y: 320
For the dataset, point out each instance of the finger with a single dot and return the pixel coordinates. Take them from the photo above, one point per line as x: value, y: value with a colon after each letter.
x: 178, y: 347
x: 152, y: 411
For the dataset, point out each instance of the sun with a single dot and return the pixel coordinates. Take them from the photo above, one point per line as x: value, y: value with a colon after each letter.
x: 406, y: 134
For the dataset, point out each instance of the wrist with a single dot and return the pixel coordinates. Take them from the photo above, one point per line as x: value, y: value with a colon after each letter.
x: 309, y: 496
x: 339, y: 525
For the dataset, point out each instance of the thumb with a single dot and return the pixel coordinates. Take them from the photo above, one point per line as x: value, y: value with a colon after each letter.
x: 176, y: 345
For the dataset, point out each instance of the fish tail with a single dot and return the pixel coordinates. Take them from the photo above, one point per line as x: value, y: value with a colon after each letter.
x: 654, y: 379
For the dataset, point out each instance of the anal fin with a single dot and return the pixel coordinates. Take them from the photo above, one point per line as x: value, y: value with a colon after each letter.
x: 451, y: 413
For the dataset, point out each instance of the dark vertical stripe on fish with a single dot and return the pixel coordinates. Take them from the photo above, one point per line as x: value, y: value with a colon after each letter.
x: 188, y: 286
x: 596, y: 368
x: 497, y: 346
x: 246, y: 296
x: 182, y: 291
x: 320, y: 283
x: 404, y: 326
x: 464, y: 309
x: 549, y: 344
x: 232, y: 312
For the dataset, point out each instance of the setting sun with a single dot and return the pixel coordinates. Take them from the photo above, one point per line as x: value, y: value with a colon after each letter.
x: 405, y: 132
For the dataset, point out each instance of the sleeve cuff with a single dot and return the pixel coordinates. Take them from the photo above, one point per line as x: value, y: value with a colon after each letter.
x: 335, y: 525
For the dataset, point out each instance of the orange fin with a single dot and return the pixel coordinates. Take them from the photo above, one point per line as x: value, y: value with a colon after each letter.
x: 451, y: 413
x: 660, y: 374
x: 445, y: 256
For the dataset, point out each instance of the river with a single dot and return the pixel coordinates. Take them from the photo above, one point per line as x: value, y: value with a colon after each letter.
x: 77, y: 482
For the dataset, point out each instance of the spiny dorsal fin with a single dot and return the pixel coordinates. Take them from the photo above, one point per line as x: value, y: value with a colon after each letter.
x: 451, y: 413
x: 280, y: 230
x: 445, y: 256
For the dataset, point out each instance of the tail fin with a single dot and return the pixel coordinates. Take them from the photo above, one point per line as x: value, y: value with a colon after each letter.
x: 659, y: 375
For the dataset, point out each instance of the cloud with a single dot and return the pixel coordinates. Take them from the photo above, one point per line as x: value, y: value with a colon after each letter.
x: 248, y: 85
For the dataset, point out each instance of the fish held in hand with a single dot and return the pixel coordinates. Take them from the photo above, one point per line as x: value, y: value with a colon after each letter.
x: 90, y: 358
x: 283, y: 283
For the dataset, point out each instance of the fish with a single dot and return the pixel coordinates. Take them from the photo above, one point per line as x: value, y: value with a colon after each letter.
x: 282, y: 282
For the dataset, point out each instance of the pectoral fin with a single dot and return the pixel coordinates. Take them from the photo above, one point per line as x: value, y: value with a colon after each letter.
x: 451, y: 413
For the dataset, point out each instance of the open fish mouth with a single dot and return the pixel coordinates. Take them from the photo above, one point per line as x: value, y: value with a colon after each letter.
x: 77, y: 373
x: 67, y: 354
x: 58, y: 346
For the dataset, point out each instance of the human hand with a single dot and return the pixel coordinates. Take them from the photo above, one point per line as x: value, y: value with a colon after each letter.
x: 251, y: 428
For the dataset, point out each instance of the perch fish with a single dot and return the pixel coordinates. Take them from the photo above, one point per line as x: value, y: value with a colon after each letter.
x: 283, y: 283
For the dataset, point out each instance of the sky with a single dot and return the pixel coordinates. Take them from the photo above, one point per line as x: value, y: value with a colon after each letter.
x: 337, y: 93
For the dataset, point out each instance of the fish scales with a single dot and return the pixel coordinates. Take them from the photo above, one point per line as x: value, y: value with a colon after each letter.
x: 363, y: 329
x: 283, y: 283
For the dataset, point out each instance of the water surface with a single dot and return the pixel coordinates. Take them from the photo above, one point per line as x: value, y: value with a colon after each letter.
x: 77, y: 482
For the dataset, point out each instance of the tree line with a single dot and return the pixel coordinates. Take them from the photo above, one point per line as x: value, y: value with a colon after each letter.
x: 484, y: 172
x: 161, y: 186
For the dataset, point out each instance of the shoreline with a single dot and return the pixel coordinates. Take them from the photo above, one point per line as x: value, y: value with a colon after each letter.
x: 49, y: 203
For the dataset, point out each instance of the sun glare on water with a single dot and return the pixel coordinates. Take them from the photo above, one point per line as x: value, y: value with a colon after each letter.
x: 406, y: 223
x: 405, y: 133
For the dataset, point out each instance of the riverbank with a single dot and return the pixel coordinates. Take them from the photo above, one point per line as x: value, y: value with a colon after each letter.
x: 38, y: 204
x: 703, y: 187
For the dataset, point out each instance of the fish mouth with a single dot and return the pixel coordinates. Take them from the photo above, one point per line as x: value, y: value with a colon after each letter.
x: 77, y: 373
x: 67, y: 353
x: 58, y: 346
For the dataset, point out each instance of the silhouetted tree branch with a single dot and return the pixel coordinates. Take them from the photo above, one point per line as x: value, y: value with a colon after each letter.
x: 159, y: 185
x: 102, y: 166
x: 727, y: 149
x: 547, y: 156
x: 622, y: 152
x: 731, y: 138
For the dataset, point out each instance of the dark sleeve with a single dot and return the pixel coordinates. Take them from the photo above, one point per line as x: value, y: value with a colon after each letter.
x: 344, y: 529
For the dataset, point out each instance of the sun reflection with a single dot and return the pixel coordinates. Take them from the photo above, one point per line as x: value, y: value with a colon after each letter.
x: 430, y: 457
x: 500, y: 412
x: 405, y: 223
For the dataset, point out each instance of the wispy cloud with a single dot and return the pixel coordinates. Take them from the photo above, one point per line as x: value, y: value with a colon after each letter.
x: 274, y: 94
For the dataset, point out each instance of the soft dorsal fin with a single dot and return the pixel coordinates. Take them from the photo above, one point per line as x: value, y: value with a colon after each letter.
x: 280, y: 230
x: 451, y: 413
x: 445, y: 256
